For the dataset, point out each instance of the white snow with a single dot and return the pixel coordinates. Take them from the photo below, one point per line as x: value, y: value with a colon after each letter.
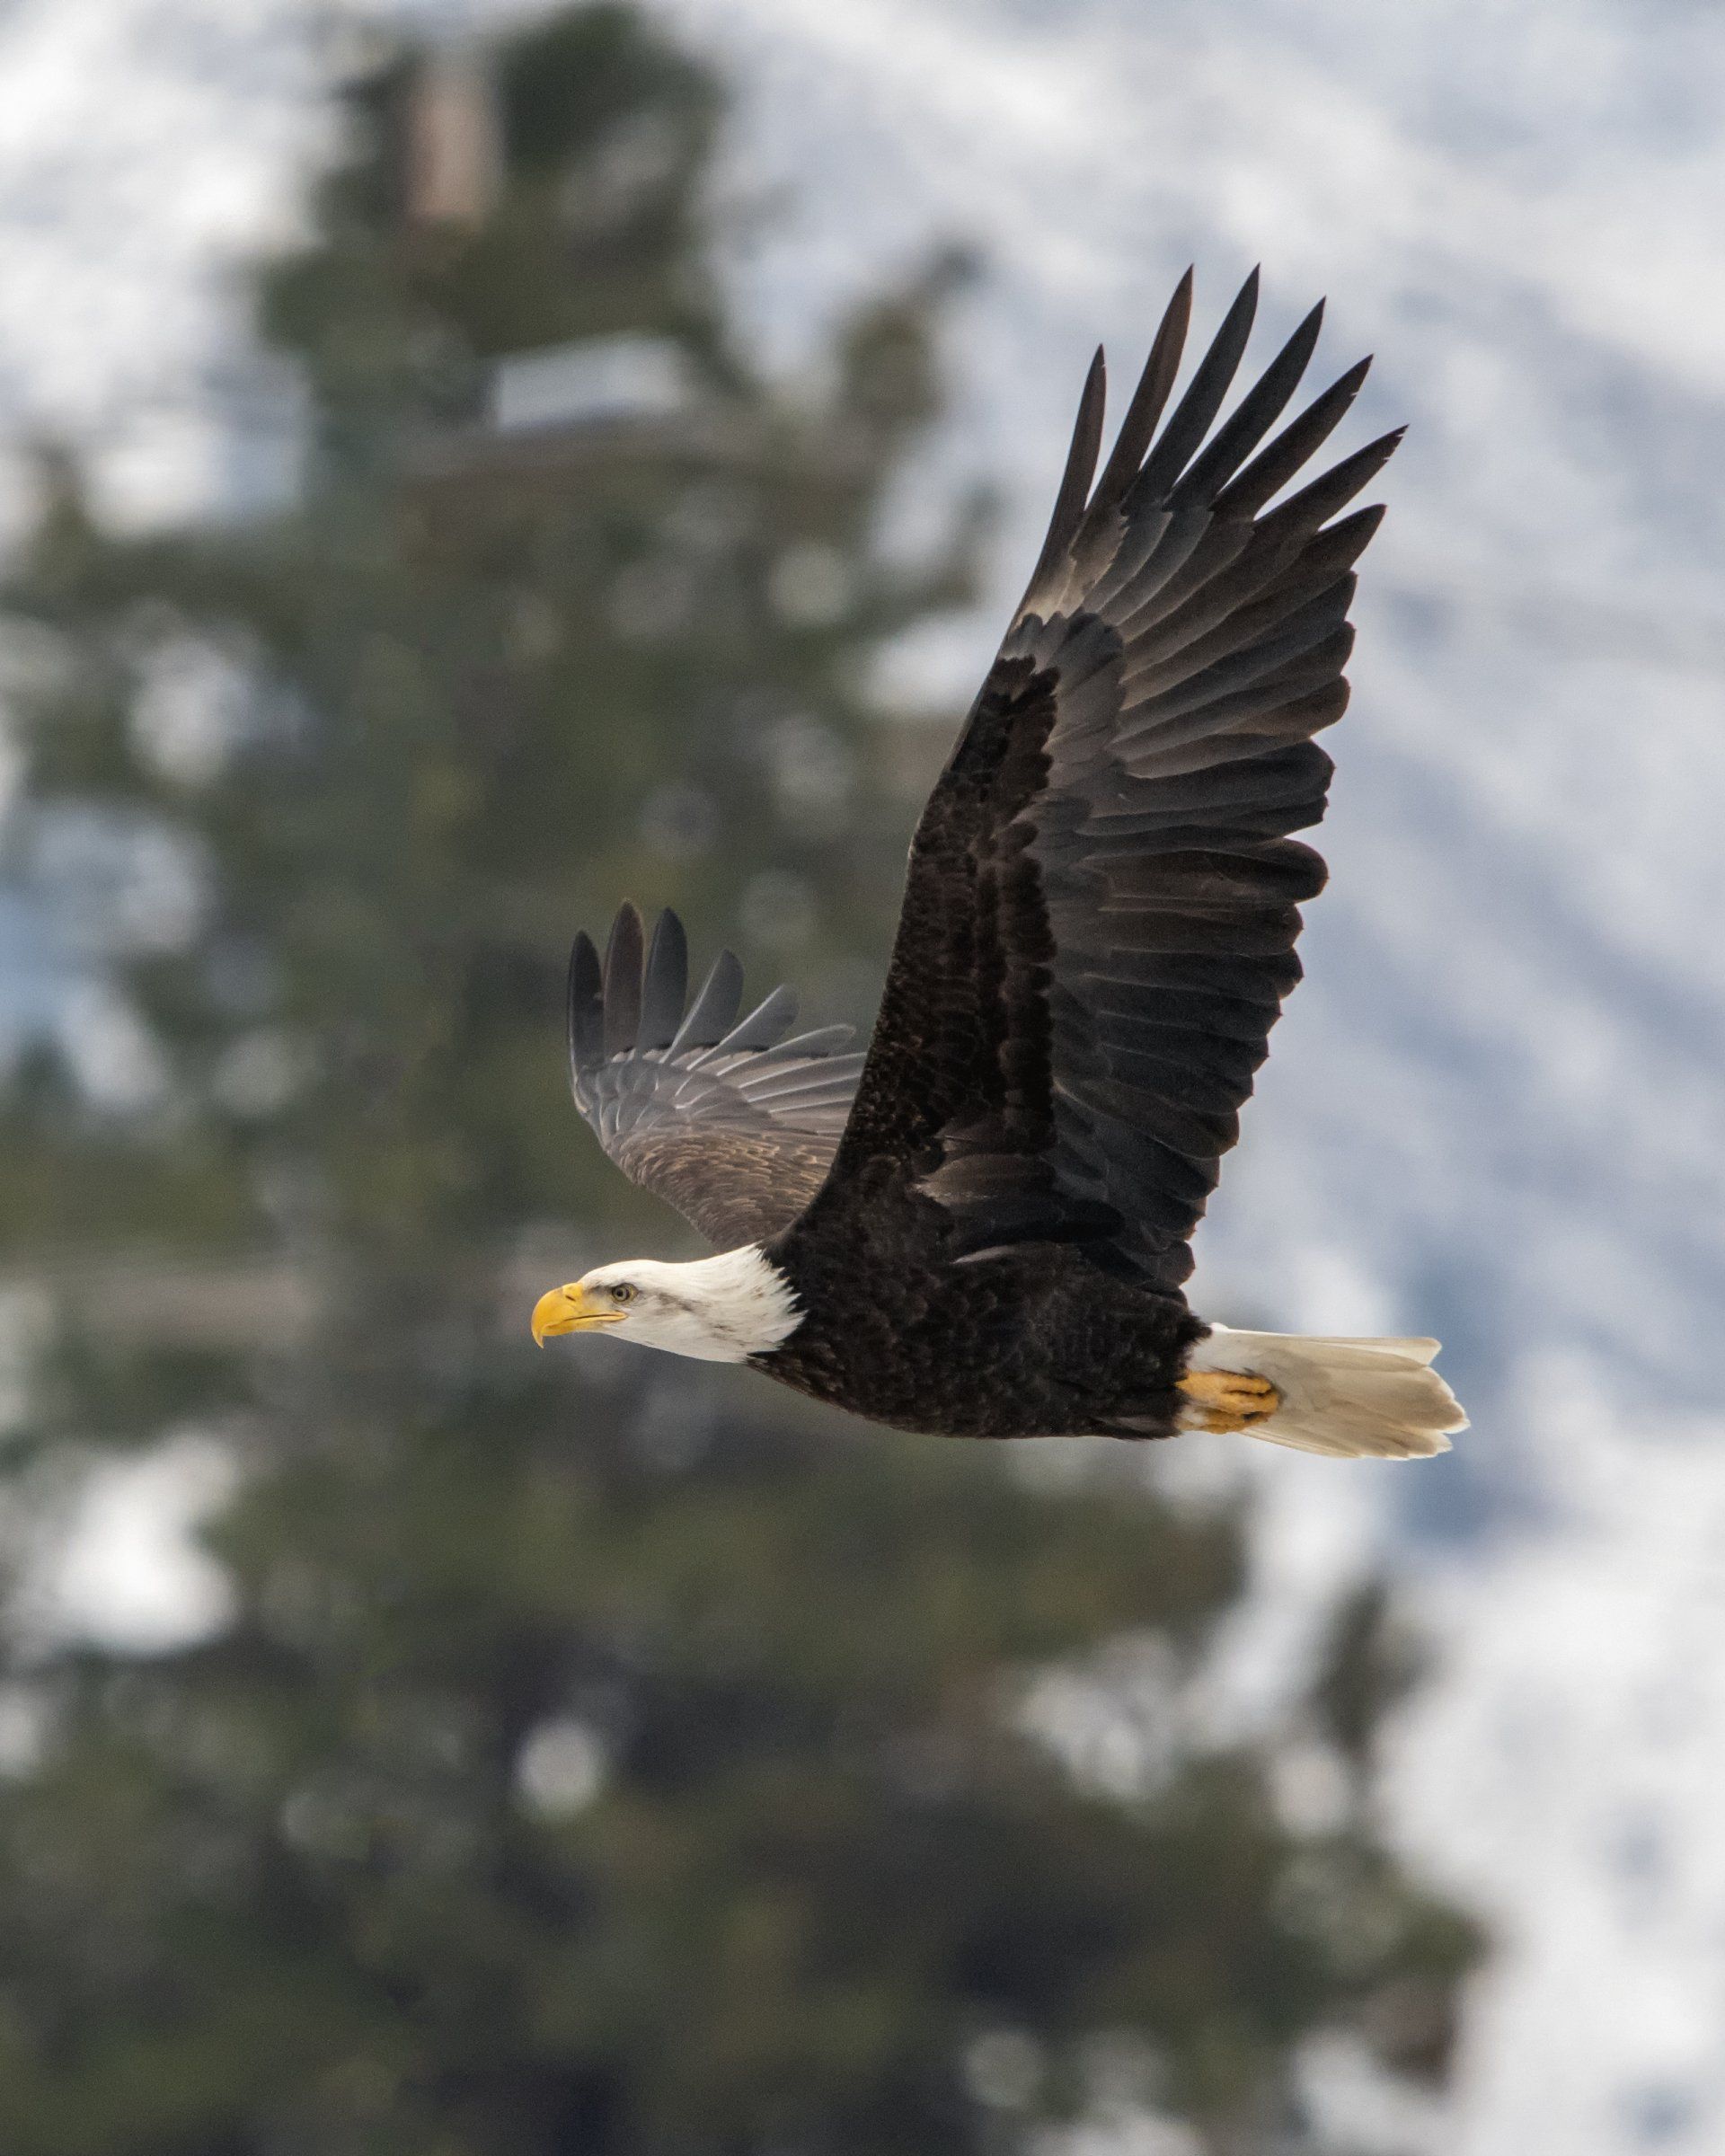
x: 129, y: 1573
x: 1565, y: 1772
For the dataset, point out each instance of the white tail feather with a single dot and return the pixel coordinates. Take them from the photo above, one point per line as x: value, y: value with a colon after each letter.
x: 1350, y: 1399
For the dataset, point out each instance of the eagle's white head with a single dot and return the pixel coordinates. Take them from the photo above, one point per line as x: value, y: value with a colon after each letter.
x: 720, y: 1310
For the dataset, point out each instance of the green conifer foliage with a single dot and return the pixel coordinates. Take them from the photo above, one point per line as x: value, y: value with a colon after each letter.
x: 600, y: 1757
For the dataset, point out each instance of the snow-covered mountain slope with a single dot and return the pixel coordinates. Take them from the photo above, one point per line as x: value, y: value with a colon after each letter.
x: 146, y: 147
x: 1559, y: 1770
x: 1564, y: 1772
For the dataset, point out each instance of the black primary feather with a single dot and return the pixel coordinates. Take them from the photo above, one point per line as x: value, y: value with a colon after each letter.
x: 1102, y: 904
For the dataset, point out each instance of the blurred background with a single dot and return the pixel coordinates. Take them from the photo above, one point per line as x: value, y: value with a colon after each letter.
x: 461, y: 463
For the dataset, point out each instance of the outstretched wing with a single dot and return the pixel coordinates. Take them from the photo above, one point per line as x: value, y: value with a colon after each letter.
x: 728, y: 1120
x: 1100, y: 917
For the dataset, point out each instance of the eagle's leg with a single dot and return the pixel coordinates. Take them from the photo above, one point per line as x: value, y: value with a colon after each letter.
x: 1226, y: 1399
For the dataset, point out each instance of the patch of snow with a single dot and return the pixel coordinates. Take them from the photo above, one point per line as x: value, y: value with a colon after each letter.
x: 1564, y: 1771
x: 129, y: 1573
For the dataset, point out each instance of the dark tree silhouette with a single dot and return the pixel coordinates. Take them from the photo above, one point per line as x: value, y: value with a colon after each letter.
x: 598, y: 1759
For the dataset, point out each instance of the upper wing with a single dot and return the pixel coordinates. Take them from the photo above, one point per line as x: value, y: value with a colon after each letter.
x: 1100, y: 917
x: 730, y: 1122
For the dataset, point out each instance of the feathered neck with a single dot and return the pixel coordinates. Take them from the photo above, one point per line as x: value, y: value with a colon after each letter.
x: 718, y: 1310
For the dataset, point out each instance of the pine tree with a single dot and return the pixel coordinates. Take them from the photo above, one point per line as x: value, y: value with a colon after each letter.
x: 600, y: 1755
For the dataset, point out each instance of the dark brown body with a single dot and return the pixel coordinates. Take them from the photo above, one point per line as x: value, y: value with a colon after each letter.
x: 1036, y: 1340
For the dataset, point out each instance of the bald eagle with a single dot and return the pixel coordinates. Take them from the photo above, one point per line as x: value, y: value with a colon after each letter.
x: 979, y: 1226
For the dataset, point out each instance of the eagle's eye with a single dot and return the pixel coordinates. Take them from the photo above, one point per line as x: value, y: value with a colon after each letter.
x: 623, y: 1293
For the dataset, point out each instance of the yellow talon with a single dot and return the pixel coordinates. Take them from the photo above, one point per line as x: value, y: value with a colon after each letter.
x: 1226, y: 1399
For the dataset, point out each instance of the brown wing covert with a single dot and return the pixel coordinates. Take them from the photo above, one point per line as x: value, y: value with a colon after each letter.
x: 729, y: 1119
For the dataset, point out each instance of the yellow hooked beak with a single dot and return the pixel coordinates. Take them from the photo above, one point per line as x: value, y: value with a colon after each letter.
x: 568, y: 1310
